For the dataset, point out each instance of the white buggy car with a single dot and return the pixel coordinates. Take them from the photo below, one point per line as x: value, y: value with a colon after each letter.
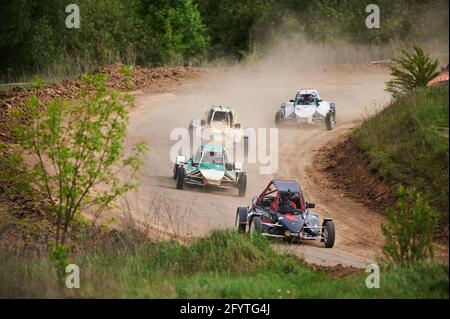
x: 307, y: 107
x: 219, y: 124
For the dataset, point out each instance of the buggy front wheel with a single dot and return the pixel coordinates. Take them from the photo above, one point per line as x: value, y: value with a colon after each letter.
x: 241, y: 219
x: 255, y: 225
x: 328, y: 235
x: 180, y: 177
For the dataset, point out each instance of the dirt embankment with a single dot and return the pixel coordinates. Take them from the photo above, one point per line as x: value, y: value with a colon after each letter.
x: 347, y: 169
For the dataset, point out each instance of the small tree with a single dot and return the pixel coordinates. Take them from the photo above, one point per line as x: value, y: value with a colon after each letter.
x: 409, y: 231
x: 411, y: 71
x: 76, y: 151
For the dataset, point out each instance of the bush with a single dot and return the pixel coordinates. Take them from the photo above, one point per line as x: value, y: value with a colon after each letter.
x: 409, y: 231
x: 76, y: 146
x: 170, y: 32
x: 411, y: 72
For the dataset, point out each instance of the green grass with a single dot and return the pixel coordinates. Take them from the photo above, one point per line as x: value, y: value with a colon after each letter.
x: 224, y: 265
x: 407, y: 143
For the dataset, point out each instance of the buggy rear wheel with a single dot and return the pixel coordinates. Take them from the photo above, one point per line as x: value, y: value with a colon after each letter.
x: 191, y: 139
x: 242, y: 187
x: 175, y: 171
x: 180, y: 177
x: 328, y: 234
x: 245, y: 146
x: 330, y: 121
x: 278, y: 118
x: 241, y: 219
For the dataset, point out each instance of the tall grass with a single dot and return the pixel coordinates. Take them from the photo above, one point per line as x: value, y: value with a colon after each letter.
x: 224, y: 265
x: 64, y: 68
x: 407, y: 143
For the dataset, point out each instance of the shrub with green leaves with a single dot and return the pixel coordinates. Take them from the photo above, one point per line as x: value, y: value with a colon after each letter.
x: 411, y: 71
x: 75, y: 151
x: 409, y: 231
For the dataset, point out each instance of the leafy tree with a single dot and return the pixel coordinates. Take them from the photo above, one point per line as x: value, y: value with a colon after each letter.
x: 233, y: 25
x: 344, y: 20
x: 76, y: 152
x: 27, y: 34
x: 409, y: 231
x: 170, y: 31
x: 34, y: 39
x: 411, y: 71
x: 109, y: 33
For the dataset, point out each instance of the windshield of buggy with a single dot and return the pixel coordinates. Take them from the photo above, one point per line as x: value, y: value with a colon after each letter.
x: 289, y: 203
x: 306, y: 99
x: 211, y: 156
x: 197, y: 157
x: 221, y: 118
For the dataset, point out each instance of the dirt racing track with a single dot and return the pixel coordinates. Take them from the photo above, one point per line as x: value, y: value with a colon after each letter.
x: 255, y: 93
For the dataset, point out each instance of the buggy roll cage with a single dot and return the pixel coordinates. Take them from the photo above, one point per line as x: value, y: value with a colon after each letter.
x: 268, y: 191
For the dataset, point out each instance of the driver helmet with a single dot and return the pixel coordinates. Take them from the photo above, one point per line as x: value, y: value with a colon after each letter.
x: 285, y: 200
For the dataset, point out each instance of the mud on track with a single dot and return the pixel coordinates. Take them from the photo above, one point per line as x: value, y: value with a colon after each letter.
x: 255, y: 93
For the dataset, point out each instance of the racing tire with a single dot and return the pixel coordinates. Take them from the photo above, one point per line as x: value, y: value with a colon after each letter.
x: 242, y: 187
x: 329, y: 234
x: 255, y: 225
x: 241, y: 219
x: 278, y: 118
x: 291, y: 240
x: 175, y: 171
x: 330, y: 121
x: 180, y: 177
x: 245, y: 146
x: 191, y: 138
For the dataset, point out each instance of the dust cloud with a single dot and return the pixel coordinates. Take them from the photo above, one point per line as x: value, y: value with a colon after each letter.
x: 255, y: 88
x: 351, y: 75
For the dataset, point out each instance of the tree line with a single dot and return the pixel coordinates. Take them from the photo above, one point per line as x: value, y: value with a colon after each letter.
x: 34, y: 38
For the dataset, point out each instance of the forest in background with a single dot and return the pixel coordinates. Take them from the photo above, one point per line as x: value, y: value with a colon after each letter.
x: 34, y: 38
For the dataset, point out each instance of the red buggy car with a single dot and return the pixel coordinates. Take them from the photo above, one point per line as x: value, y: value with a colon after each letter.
x: 281, y: 211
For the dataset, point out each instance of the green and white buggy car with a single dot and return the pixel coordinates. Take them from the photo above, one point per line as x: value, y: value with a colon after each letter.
x: 210, y: 166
